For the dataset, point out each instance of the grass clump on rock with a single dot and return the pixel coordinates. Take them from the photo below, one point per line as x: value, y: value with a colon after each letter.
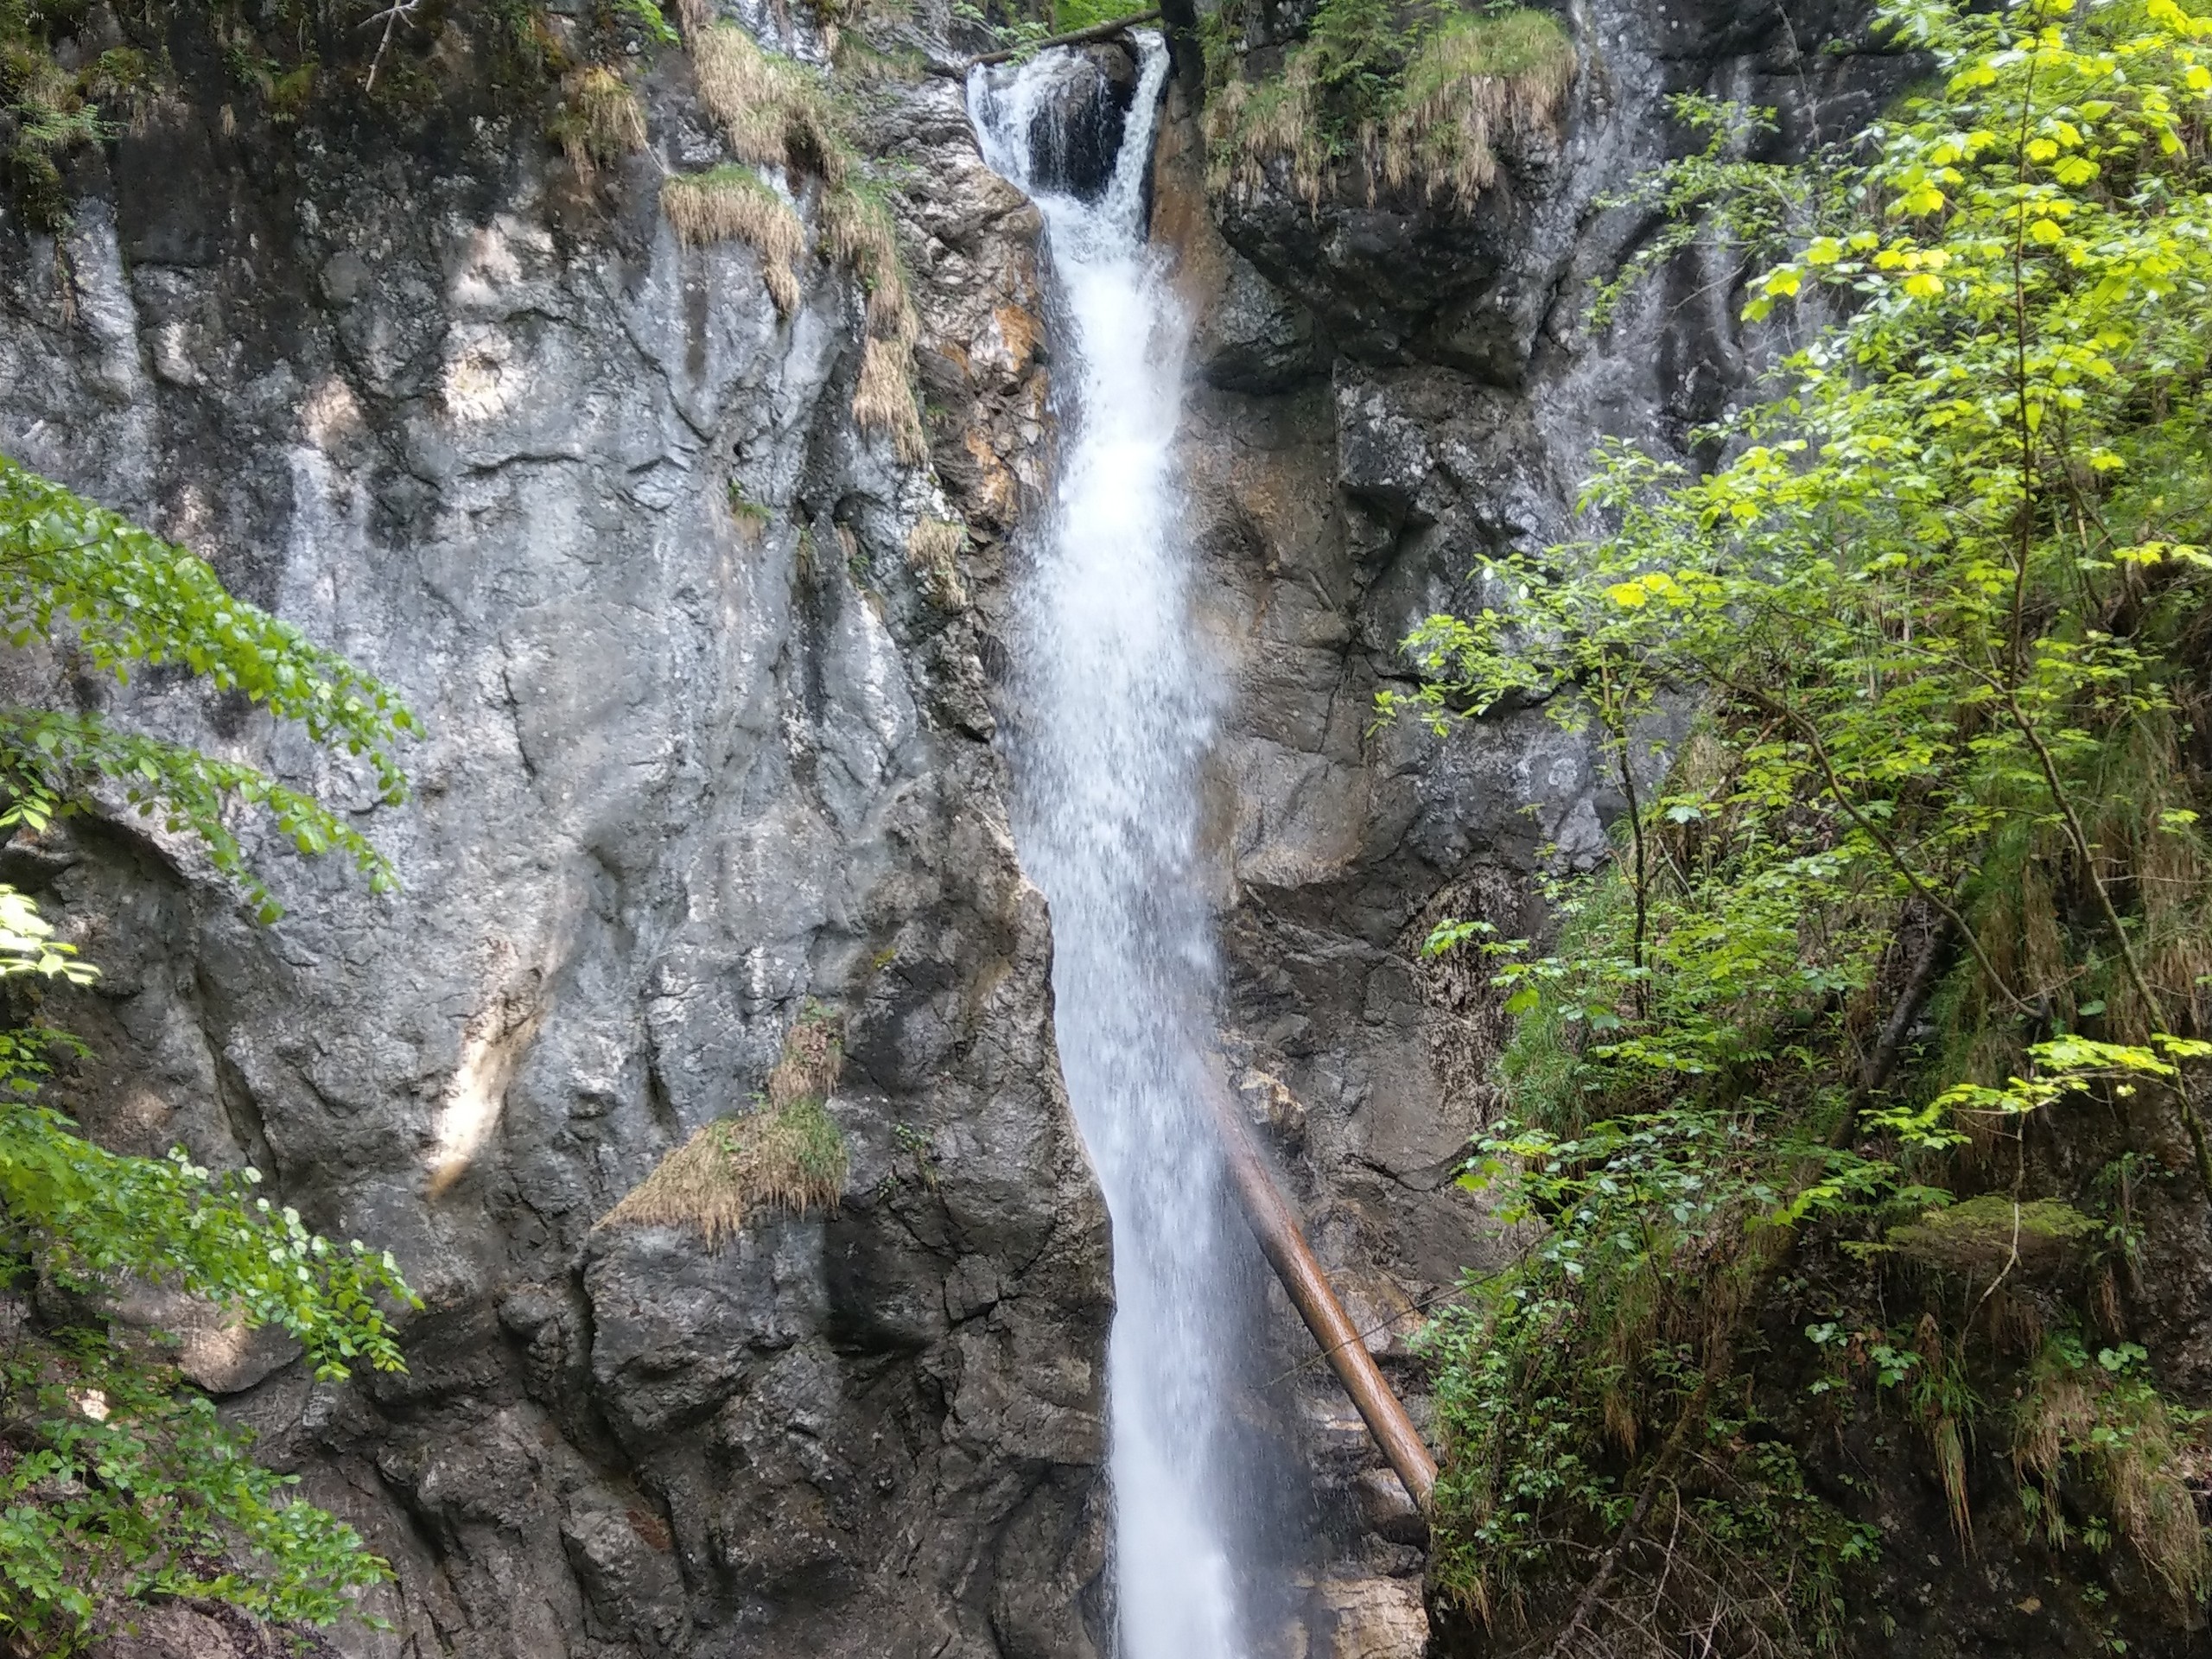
x: 736, y: 204
x: 776, y: 112
x: 2101, y: 1418
x: 784, y: 1155
x: 599, y: 121
x: 773, y: 111
x: 933, y: 553
x: 857, y: 228
x: 1380, y: 95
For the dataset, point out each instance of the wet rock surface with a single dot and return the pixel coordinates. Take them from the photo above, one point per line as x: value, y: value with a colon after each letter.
x: 1081, y: 110
x: 706, y: 751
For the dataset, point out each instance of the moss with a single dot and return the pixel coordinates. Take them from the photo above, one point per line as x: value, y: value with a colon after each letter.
x: 1983, y: 1236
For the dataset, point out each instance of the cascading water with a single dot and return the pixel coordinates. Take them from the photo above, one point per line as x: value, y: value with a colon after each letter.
x: 1115, y: 710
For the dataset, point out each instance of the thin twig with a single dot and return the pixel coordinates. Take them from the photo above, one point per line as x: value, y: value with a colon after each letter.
x: 1420, y: 1306
x: 390, y: 18
x: 1662, y: 1472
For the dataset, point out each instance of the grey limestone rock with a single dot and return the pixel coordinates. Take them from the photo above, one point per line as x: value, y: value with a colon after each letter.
x: 690, y: 772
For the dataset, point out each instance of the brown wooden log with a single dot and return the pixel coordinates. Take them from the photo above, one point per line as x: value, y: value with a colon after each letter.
x: 1283, y: 1243
x: 1073, y: 37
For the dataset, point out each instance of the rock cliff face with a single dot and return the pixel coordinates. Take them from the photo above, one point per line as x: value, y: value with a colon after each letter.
x: 692, y: 770
x: 1385, y: 396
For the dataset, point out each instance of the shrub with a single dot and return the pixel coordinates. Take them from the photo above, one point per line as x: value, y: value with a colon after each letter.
x: 115, y: 1481
x: 1943, y: 594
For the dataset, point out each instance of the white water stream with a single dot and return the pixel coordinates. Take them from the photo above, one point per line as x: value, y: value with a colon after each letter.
x: 1116, y: 699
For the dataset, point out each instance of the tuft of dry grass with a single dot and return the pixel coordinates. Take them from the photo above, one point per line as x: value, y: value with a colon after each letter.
x: 600, y: 120
x: 2119, y: 1430
x: 813, y: 1060
x: 774, y: 111
x: 884, y: 400
x: 2139, y: 807
x: 1472, y: 80
x: 791, y: 1159
x: 734, y: 203
x: 1469, y: 83
x: 858, y: 229
x: 787, y: 1154
x: 933, y: 553
x: 1252, y: 123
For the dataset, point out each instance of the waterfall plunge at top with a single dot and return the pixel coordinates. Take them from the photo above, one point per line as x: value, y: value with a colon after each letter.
x: 1116, y: 710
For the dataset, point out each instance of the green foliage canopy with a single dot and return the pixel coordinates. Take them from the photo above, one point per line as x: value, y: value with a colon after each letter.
x: 1941, y: 609
x: 118, y: 598
x: 116, y: 1480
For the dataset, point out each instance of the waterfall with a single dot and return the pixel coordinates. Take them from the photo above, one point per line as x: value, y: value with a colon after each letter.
x: 1116, y: 699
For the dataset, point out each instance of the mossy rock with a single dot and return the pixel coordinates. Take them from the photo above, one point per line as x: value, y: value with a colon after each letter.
x: 1982, y: 1235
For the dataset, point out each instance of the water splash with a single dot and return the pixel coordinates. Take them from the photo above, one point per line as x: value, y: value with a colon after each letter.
x: 1116, y: 709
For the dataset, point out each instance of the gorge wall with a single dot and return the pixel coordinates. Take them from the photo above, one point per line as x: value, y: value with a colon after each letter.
x: 690, y: 774
x: 693, y: 772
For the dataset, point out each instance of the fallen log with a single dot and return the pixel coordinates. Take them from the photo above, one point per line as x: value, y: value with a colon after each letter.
x: 1073, y: 37
x: 1283, y: 1243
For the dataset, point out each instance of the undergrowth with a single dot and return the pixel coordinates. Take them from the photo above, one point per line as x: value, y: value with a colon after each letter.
x: 1840, y: 1096
x: 117, y: 1481
x: 1385, y: 96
